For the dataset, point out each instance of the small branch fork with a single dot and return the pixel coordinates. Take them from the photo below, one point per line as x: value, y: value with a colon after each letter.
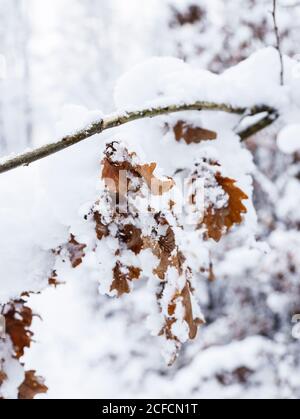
x: 116, y: 120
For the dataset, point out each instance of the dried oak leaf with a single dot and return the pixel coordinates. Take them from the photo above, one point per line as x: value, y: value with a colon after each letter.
x: 191, y: 134
x: 156, y: 186
x: 111, y: 172
x: 218, y: 221
x: 192, y: 322
x: 18, y: 319
x: 31, y: 386
x: 163, y: 248
x: 76, y: 251
x: 101, y: 229
x: 122, y: 277
x: 167, y: 242
x: 132, y: 236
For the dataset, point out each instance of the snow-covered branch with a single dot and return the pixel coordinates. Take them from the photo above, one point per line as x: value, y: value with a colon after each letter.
x: 116, y: 120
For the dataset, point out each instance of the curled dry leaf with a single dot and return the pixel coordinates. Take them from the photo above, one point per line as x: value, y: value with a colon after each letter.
x: 18, y: 319
x: 117, y: 180
x: 122, y: 277
x: 192, y: 134
x: 192, y: 322
x: 156, y: 186
x: 184, y: 297
x: 219, y: 221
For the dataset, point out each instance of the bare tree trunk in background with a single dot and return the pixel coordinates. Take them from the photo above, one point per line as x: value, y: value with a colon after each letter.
x: 22, y: 9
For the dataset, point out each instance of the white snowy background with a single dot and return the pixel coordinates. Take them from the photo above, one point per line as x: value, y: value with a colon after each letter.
x: 64, y: 63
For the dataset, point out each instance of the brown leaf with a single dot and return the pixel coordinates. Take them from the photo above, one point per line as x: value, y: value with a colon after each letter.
x: 121, y: 279
x: 76, y: 251
x: 189, y: 318
x: 32, y: 386
x: 101, y: 229
x: 18, y: 320
x: 163, y: 247
x: 193, y: 323
x: 191, y: 134
x: 157, y: 186
x: 111, y: 174
x: 132, y: 236
x: 221, y: 220
x: 167, y: 243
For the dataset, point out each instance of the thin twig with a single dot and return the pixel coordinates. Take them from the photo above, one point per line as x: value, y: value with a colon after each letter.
x: 116, y: 120
x: 278, y: 42
x: 258, y: 126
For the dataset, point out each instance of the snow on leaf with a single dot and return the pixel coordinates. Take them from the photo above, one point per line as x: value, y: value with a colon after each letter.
x: 113, y: 168
x: 76, y: 251
x: 18, y: 318
x: 31, y: 386
x: 101, y: 229
x: 223, y: 200
x: 132, y: 236
x: 122, y: 277
x: 193, y: 323
x: 218, y: 221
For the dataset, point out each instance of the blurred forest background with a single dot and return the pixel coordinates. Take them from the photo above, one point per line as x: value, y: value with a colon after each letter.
x: 57, y: 52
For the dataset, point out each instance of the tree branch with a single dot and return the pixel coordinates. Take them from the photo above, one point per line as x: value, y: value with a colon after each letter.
x: 278, y: 41
x: 116, y: 120
x: 258, y: 126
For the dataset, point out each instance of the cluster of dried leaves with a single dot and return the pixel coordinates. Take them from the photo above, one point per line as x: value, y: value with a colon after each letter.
x: 18, y: 337
x: 139, y: 241
x: 132, y: 230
